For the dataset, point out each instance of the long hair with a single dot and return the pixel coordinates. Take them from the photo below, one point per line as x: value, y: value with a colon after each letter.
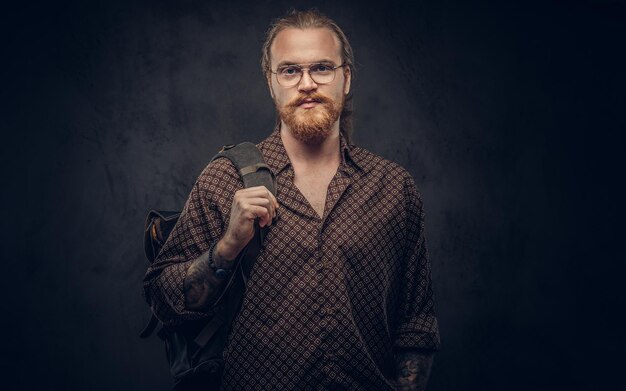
x: 313, y: 19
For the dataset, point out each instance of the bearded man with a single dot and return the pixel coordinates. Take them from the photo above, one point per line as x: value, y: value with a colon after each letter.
x: 340, y: 295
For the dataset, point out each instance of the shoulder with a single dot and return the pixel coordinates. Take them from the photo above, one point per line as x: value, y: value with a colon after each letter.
x: 219, y: 174
x: 392, y: 175
x: 376, y: 165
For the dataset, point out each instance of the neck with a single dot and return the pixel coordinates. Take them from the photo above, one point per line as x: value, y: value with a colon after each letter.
x: 324, y: 152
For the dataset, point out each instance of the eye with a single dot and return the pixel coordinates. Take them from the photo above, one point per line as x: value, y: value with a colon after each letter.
x: 289, y: 70
x: 321, y: 68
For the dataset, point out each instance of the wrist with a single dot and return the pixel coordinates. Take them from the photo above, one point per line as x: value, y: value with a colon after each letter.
x: 224, y: 253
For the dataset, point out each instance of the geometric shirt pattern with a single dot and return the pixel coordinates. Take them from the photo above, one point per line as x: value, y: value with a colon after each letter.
x: 330, y: 300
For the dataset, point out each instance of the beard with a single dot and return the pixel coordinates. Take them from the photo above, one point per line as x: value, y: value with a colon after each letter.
x: 311, y: 126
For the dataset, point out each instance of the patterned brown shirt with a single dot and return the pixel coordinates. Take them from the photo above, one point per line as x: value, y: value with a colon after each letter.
x: 329, y: 299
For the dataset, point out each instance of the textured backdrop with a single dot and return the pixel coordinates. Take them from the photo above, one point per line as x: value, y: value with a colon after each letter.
x: 508, y: 116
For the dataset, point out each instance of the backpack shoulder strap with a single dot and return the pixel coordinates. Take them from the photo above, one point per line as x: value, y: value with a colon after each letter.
x: 250, y: 164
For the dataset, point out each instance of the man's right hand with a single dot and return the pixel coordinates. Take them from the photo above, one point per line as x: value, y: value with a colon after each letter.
x: 248, y: 204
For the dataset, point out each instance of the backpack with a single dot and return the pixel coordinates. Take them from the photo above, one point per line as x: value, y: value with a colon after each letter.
x: 194, y: 349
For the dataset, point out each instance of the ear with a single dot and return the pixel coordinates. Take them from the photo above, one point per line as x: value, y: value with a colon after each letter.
x: 268, y: 78
x: 347, y: 74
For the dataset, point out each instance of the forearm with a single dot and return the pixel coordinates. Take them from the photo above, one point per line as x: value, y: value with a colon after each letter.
x: 200, y: 283
x: 412, y: 370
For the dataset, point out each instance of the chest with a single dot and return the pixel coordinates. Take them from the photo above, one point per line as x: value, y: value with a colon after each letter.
x: 313, y: 184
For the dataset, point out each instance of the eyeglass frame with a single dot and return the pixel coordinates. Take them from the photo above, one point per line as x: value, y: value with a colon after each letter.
x: 308, y: 70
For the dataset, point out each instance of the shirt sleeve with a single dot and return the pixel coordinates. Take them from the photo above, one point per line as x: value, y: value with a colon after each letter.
x: 201, y: 223
x: 417, y: 328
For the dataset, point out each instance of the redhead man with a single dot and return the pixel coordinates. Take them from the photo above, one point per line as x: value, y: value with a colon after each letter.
x: 340, y: 295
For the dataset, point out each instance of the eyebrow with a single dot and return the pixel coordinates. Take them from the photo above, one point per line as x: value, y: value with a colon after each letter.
x: 323, y: 61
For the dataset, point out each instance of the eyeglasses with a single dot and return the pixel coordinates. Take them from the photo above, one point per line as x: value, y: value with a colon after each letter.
x: 290, y: 75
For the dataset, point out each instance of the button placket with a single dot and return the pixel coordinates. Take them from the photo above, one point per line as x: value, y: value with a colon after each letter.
x: 327, y: 311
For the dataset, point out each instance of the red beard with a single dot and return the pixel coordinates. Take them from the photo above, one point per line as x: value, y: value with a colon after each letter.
x: 312, y: 125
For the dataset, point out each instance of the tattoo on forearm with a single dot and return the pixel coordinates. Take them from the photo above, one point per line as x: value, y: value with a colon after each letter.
x: 200, y: 284
x: 413, y: 369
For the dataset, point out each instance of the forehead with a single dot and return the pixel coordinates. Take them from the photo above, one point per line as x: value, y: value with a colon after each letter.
x: 293, y: 45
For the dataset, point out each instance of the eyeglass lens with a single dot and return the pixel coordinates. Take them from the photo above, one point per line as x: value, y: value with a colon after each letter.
x: 290, y: 75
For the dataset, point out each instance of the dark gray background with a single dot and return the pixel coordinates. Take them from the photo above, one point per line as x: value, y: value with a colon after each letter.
x: 509, y: 116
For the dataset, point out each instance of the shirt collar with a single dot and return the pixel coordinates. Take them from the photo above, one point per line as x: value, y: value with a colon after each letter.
x: 276, y: 154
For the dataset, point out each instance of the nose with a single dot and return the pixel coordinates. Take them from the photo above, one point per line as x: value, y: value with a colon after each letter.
x: 306, y: 83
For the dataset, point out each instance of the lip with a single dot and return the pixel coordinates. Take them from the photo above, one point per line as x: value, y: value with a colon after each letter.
x: 309, y: 104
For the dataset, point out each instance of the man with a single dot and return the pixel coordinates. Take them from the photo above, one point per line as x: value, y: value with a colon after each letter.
x: 340, y: 295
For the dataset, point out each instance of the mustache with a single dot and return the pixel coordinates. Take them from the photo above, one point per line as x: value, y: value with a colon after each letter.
x: 297, y: 101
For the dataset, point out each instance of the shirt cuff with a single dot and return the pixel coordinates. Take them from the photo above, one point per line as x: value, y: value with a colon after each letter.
x: 419, y: 335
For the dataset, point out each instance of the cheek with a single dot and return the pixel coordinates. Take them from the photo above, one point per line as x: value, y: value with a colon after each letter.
x: 281, y: 98
x: 338, y: 95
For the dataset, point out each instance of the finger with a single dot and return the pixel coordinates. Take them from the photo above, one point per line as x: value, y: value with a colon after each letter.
x: 251, y: 212
x: 260, y: 192
x: 272, y: 198
x: 275, y: 201
x: 254, y: 191
x: 265, y: 220
x: 258, y: 201
x: 264, y: 202
x: 257, y: 191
